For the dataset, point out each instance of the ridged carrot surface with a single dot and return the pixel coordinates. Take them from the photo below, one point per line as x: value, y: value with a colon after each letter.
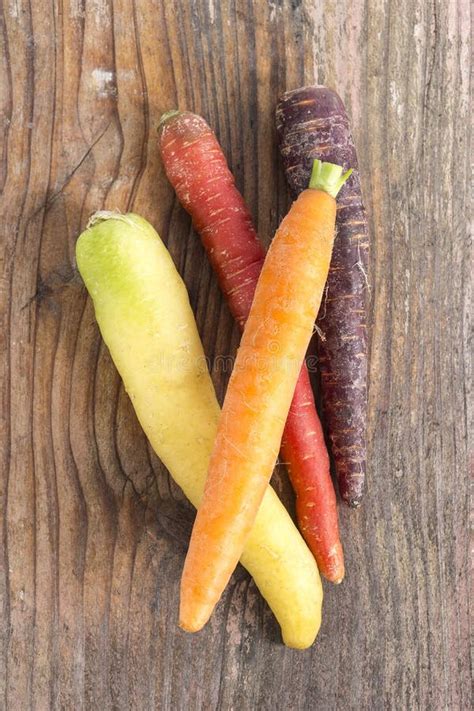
x: 312, y: 123
x: 258, y: 398
x: 197, y: 168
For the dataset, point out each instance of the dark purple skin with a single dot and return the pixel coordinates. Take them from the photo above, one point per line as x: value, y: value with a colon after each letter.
x: 312, y: 123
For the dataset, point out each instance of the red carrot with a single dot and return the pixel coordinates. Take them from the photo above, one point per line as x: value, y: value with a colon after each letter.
x: 312, y: 123
x: 260, y: 390
x: 198, y: 171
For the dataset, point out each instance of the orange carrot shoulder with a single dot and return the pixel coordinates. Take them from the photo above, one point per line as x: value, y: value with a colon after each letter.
x: 260, y: 391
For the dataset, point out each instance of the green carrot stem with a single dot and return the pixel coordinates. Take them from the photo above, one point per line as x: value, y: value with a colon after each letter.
x: 328, y: 177
x: 167, y: 115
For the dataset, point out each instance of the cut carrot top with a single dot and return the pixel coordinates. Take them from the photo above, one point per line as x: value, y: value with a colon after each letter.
x: 328, y: 177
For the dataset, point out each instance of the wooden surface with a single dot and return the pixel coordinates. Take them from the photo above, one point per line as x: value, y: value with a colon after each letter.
x: 93, y: 531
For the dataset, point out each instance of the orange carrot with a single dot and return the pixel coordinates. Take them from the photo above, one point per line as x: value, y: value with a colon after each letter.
x: 197, y: 169
x: 260, y: 390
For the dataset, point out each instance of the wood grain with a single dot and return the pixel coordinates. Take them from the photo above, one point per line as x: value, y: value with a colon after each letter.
x: 93, y: 531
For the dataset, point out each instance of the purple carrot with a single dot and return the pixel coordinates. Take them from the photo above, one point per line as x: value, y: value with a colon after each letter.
x: 312, y: 123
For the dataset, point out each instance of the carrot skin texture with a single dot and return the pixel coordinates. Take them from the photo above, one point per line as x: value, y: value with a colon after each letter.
x: 197, y: 168
x: 308, y: 466
x: 258, y: 399
x: 312, y: 123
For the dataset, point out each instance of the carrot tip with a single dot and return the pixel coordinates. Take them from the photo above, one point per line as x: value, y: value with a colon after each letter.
x: 352, y: 502
x: 193, y: 615
x: 335, y: 576
x: 166, y: 116
x: 187, y: 627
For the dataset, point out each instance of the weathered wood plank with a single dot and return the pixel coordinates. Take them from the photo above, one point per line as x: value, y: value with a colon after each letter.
x: 93, y: 531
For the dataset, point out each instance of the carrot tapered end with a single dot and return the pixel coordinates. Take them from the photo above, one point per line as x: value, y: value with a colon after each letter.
x: 192, y: 614
x: 333, y: 568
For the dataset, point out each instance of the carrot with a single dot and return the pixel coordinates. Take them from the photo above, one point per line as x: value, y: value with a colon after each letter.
x: 197, y: 169
x: 312, y: 123
x: 259, y: 394
x: 143, y: 311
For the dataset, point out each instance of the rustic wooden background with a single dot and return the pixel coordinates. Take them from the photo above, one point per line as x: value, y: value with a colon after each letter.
x: 93, y: 531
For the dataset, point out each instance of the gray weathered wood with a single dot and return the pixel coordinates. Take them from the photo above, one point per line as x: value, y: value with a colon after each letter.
x: 93, y: 531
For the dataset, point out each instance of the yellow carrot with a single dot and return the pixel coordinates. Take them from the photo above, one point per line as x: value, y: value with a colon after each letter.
x: 260, y: 390
x: 145, y: 318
